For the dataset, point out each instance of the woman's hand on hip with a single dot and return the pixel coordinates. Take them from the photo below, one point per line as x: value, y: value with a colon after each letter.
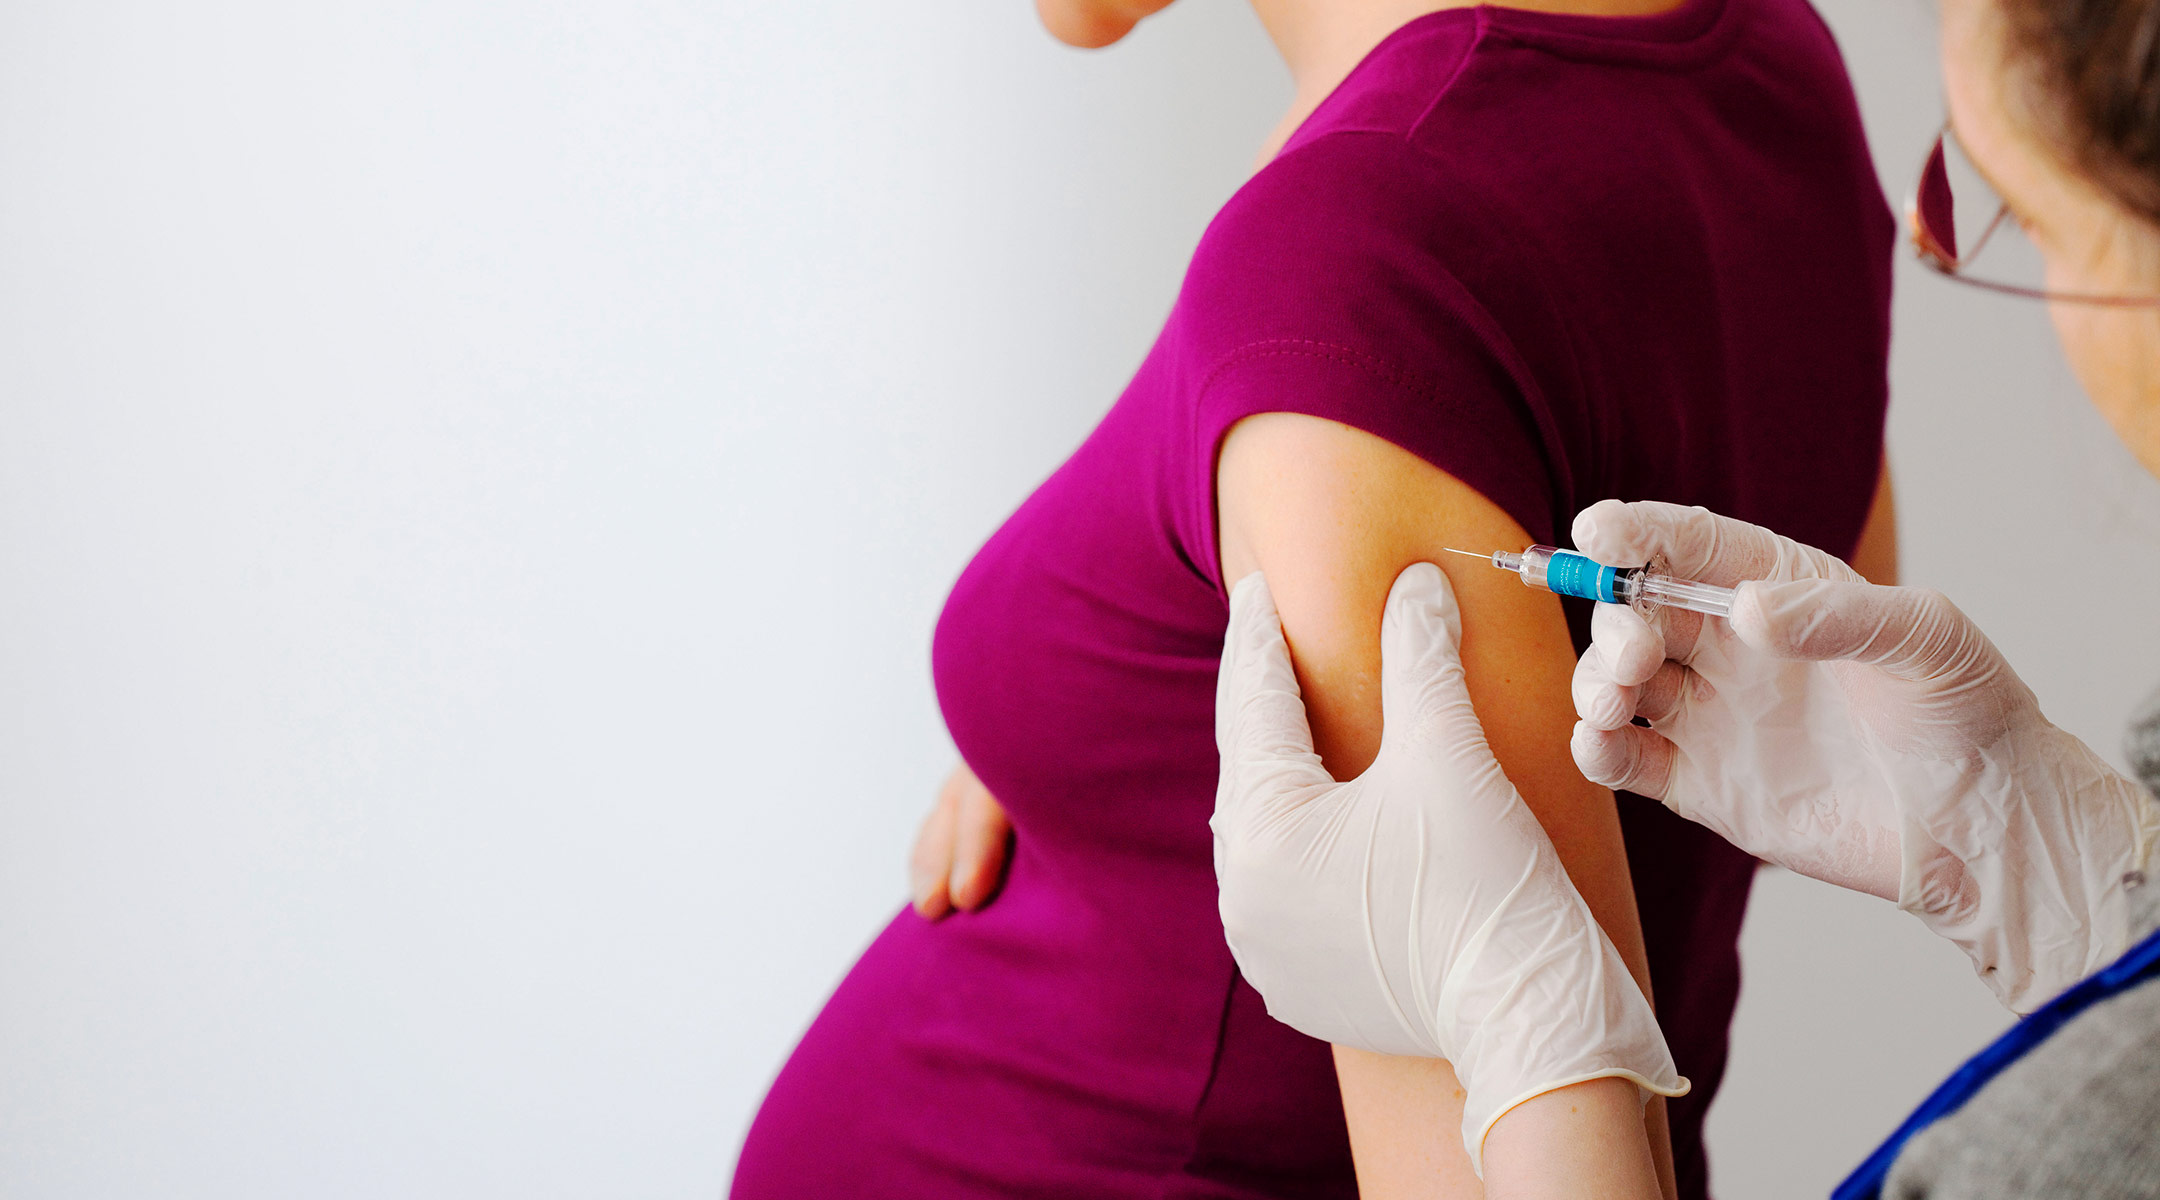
x: 960, y: 853
x: 1418, y: 909
x: 1868, y: 736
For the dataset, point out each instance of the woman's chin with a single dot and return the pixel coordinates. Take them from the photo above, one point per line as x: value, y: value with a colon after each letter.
x: 1087, y: 24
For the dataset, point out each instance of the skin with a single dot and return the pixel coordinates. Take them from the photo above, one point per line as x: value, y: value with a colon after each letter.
x: 1574, y: 1141
x: 1320, y: 40
x: 2091, y: 243
x: 960, y: 853
x: 1583, y: 1140
x: 1333, y: 515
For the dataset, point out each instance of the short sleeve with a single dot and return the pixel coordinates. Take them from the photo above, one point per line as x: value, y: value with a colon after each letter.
x: 1323, y: 288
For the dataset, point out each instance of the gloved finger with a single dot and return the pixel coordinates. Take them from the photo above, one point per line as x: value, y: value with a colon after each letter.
x: 1627, y: 759
x: 1603, y: 703
x: 1421, y: 673
x: 930, y: 863
x: 1260, y: 725
x: 981, y: 840
x: 1630, y: 647
x: 1424, y: 696
x: 1910, y: 633
x: 1696, y: 543
x: 1626, y: 651
x: 1660, y: 699
x: 1600, y: 698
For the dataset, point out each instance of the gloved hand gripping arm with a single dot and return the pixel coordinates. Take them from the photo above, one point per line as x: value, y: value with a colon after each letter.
x: 1418, y: 909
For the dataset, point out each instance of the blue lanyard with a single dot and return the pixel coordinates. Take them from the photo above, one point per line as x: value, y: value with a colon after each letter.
x: 2139, y: 963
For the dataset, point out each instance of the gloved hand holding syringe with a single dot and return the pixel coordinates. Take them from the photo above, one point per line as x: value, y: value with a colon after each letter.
x: 1869, y: 736
x: 1865, y: 735
x: 1645, y: 589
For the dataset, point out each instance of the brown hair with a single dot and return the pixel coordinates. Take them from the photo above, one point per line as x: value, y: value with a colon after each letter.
x: 2095, y: 67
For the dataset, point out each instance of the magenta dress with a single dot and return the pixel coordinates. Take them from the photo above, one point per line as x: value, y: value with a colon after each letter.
x: 1560, y: 258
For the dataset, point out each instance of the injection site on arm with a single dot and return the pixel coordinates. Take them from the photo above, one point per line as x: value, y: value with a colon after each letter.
x: 1333, y: 515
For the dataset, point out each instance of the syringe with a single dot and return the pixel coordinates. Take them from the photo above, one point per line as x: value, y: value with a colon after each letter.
x: 1645, y: 589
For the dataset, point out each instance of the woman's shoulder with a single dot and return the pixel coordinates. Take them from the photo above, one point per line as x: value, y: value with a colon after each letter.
x: 1321, y: 190
x: 1346, y: 236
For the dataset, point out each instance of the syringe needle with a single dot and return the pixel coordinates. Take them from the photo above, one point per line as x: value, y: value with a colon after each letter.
x: 1470, y: 553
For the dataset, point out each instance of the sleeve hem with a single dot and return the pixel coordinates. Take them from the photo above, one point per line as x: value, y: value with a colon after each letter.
x: 1474, y: 425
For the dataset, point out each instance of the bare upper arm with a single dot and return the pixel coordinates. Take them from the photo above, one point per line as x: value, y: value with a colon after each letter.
x: 1333, y: 514
x: 1876, y: 554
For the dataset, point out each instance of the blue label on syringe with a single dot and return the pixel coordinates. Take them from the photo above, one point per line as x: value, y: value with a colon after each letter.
x: 1572, y: 574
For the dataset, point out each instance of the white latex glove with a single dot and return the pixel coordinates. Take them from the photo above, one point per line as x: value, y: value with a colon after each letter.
x: 1418, y: 909
x: 1868, y: 736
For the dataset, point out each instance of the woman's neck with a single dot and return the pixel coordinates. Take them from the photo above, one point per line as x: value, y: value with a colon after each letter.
x: 1321, y: 40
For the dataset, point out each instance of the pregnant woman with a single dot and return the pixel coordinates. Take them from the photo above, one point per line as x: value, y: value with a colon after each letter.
x: 1497, y: 264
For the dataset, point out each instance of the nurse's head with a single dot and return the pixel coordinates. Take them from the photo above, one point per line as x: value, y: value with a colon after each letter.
x: 2058, y: 103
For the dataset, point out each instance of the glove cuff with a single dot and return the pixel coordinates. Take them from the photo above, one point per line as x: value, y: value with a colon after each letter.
x: 1565, y: 1015
x: 1671, y: 1085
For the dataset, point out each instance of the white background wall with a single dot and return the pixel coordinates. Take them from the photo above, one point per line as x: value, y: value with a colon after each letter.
x: 476, y: 483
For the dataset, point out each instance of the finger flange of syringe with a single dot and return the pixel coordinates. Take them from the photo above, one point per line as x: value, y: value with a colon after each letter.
x: 1645, y: 589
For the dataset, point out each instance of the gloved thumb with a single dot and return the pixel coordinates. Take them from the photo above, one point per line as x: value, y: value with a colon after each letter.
x: 1909, y: 633
x: 1694, y: 542
x: 1260, y: 724
x: 1424, y: 698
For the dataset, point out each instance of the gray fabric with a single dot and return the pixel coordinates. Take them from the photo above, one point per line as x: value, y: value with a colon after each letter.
x: 2075, y: 1117
x: 2080, y: 1114
x: 2144, y: 914
x: 2142, y: 744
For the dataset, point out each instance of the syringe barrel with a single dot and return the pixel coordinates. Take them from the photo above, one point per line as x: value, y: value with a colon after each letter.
x: 1646, y: 589
x: 1567, y: 573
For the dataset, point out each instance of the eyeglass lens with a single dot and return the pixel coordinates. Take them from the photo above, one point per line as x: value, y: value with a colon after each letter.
x: 1953, y: 198
x: 1956, y: 214
x: 1934, y: 210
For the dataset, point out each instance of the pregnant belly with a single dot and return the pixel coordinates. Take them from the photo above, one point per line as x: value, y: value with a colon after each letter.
x: 1054, y: 1044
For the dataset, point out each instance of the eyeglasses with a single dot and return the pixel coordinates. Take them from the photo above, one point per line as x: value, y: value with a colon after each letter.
x: 1954, y: 195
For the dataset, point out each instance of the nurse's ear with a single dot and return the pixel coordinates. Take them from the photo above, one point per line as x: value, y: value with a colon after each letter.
x: 1091, y: 24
